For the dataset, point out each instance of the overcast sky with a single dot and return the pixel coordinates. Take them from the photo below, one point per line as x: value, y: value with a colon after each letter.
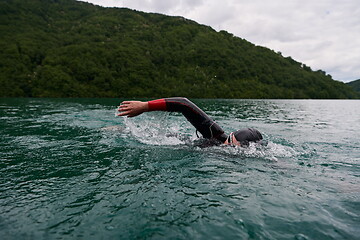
x: 323, y: 34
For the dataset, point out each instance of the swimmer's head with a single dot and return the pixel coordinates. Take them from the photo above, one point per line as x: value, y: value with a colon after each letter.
x: 242, y: 137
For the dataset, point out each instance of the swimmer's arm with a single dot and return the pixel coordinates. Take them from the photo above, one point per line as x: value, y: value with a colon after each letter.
x: 202, y: 122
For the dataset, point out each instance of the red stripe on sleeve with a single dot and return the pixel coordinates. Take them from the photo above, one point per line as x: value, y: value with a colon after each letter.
x: 157, y: 105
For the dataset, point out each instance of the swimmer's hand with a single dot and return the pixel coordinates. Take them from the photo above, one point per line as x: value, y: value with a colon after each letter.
x: 132, y: 108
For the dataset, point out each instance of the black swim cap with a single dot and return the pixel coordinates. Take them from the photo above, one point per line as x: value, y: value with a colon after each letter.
x: 246, y: 135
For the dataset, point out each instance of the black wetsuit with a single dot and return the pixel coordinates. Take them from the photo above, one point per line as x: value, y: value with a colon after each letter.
x: 197, y: 117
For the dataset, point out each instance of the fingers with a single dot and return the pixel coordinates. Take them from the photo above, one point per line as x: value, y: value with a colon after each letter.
x: 125, y: 109
x: 124, y: 106
x: 126, y: 103
x: 127, y: 114
x: 124, y: 114
x: 130, y: 108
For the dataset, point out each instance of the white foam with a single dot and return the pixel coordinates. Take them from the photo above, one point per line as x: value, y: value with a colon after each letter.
x: 154, y: 130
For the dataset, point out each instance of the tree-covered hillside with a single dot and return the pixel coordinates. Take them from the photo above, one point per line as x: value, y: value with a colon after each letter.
x: 355, y: 85
x: 66, y: 48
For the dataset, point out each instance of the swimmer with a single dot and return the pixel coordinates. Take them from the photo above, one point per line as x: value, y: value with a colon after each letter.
x: 197, y: 117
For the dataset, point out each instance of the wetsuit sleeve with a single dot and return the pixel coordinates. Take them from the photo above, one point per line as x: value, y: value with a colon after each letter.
x: 157, y: 105
x: 198, y: 118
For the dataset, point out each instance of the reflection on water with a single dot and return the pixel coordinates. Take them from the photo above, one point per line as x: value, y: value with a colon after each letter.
x: 70, y: 169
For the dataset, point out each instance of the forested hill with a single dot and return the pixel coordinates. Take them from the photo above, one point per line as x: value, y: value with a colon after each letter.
x: 355, y: 85
x: 65, y: 48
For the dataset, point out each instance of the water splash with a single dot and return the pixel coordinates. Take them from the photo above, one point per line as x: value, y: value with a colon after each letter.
x: 155, y: 130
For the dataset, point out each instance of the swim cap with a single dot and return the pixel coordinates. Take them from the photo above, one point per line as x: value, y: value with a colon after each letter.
x: 246, y: 135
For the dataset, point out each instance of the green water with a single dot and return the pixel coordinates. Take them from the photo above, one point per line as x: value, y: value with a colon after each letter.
x: 67, y: 173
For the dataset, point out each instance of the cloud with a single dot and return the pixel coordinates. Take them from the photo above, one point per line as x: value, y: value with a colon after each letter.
x: 213, y: 14
x: 323, y: 34
x: 159, y: 6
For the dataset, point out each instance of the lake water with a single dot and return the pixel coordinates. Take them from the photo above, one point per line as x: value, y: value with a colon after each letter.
x: 70, y: 169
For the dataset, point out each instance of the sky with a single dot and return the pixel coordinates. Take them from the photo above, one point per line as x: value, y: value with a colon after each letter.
x: 323, y: 34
